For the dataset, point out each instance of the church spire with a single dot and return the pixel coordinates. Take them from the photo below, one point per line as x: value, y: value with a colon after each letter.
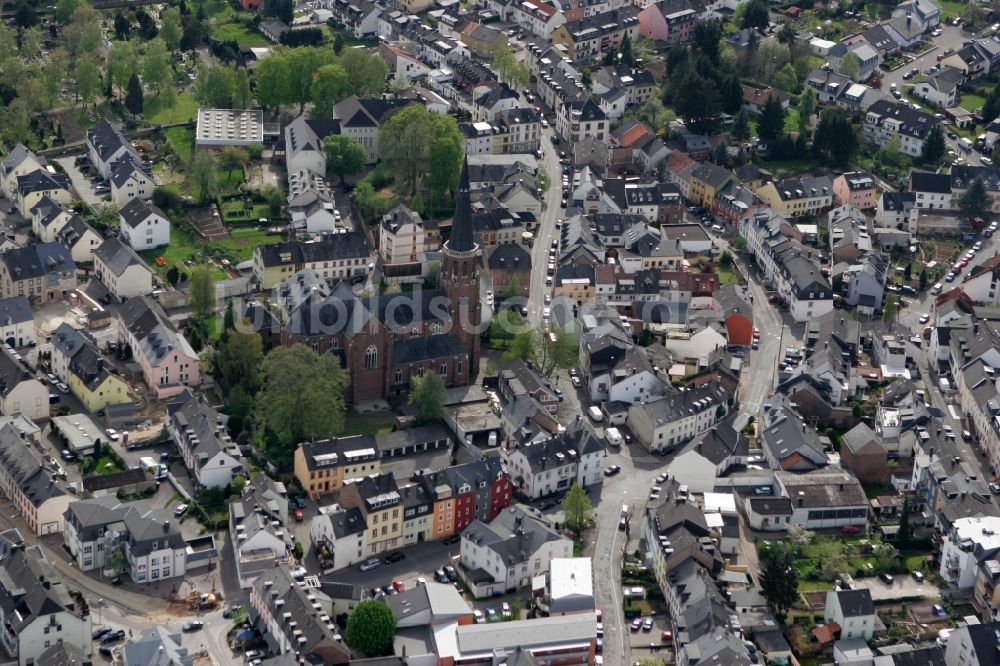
x: 461, y: 226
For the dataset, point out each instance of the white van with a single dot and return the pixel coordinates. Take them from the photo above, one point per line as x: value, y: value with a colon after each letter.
x: 613, y: 436
x: 595, y: 413
x: 936, y: 289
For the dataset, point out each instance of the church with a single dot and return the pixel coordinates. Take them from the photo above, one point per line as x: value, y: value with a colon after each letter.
x: 387, y: 340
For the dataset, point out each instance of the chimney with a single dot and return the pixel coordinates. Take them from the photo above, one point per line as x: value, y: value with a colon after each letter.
x: 166, y: 526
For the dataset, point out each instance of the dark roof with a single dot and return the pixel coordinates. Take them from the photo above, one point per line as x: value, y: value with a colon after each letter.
x: 118, y: 256
x: 115, y: 479
x: 417, y: 350
x: 461, y: 227
x: 912, y: 122
x: 855, y: 603
x: 351, y: 245
x: 41, y: 181
x: 37, y: 261
x: 327, y: 453
x: 15, y: 310
x: 26, y: 468
x: 509, y: 256
x: 922, y: 181
x: 136, y: 211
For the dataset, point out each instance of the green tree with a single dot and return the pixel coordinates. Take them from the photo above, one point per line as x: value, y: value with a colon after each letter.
x: 122, y: 26
x: 445, y: 154
x: 370, y: 628
x: 279, y: 9
x: 404, y: 141
x: 302, y: 398
x: 850, y: 66
x: 779, y: 580
x: 201, y: 295
x: 508, y: 68
x: 923, y: 279
x: 83, y: 34
x: 88, y: 80
x: 365, y: 70
x: 991, y: 108
x: 170, y: 28
x: 428, y: 394
x: 330, y: 86
x: 741, y: 126
x: 64, y: 10
x: 133, y: 97
x: 156, y: 70
x: 908, y: 271
x: 835, y: 139
x: 107, y: 215
x: 697, y: 101
x: 975, y: 202
x: 203, y: 176
x: 240, y: 359
x: 578, y: 510
x: 514, y: 288
x: 755, y: 15
x: 123, y: 63
x: 338, y: 43
x: 807, y: 106
x: 215, y: 85
x: 242, y: 97
x: 705, y: 39
x: 772, y: 119
x: 934, y: 147
x: 24, y: 14
x: 344, y: 156
x: 431, y: 276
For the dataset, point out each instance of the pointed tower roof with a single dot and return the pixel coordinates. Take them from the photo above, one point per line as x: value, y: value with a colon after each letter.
x: 461, y: 226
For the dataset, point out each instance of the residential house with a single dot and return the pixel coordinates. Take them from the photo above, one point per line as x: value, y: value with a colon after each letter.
x: 94, y: 381
x: 786, y: 439
x: 754, y: 99
x: 377, y: 497
x: 735, y: 313
x: 313, y: 213
x: 581, y: 119
x: 925, y: 13
x: 798, y: 197
x: 853, y: 611
x: 28, y: 480
x: 19, y: 162
x: 17, y: 322
x: 931, y: 190
x: 199, y: 431
x: 886, y: 120
x: 551, y: 466
x: 537, y: 17
x: 865, y: 282
x: 855, y: 188
x: 304, y: 144
x: 663, y: 425
x: 339, y: 535
x: 498, y: 97
x: 969, y: 61
x: 37, y: 609
x: 169, y: 364
x: 360, y: 119
x: 338, y: 257
x: 106, y: 146
x: 897, y: 210
x: 823, y: 498
x: 706, y: 181
x: 121, y: 270
x: 638, y: 376
x: 516, y: 130
x: 478, y: 137
x: 130, y: 180
x: 20, y: 390
x: 519, y: 378
x: 668, y: 21
x: 48, y: 217
x: 43, y: 272
x: 962, y: 177
x: 143, y: 225
x: 296, y: 618
x: 81, y: 239
x: 324, y: 466
x: 158, y: 645
x: 590, y: 37
x: 258, y: 529
x: 506, y: 554
x: 867, y: 58
x: 150, y: 539
x: 31, y: 188
x: 509, y: 266
x: 941, y: 89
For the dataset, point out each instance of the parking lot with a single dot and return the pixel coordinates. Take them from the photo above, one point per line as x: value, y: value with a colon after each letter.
x: 903, y: 587
x: 81, y: 182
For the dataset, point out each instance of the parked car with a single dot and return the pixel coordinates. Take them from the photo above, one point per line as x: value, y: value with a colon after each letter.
x: 369, y: 564
x: 113, y: 636
x: 886, y: 578
x: 194, y: 625
x: 99, y: 633
x: 67, y: 455
x: 611, y: 470
x: 179, y: 511
x: 636, y: 624
x: 440, y: 576
x: 298, y: 515
x: 392, y: 558
x: 451, y: 573
x: 917, y: 576
x: 232, y: 611
x: 505, y: 609
x: 491, y: 615
x: 480, y: 618
x: 647, y: 624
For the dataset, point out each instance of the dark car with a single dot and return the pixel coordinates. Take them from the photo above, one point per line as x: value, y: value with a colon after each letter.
x: 547, y: 504
x: 99, y: 633
x: 440, y: 576
x: 299, y: 503
x: 612, y: 470
x: 106, y: 651
x: 451, y: 573
x: 555, y: 140
x: 116, y: 580
x: 113, y: 636
x: 231, y: 611
x: 194, y: 625
x: 392, y: 558
x: 886, y: 578
x: 453, y: 539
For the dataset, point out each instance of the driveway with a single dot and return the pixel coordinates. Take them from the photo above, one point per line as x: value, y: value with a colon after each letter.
x: 421, y: 560
x: 903, y: 587
x: 81, y: 183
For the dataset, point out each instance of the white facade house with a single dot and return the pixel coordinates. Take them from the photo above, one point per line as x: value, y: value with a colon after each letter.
x: 553, y: 465
x: 121, y: 270
x: 665, y: 424
x: 27, y: 479
x: 131, y: 180
x: 37, y: 610
x: 886, y: 120
x: 498, y: 549
x: 342, y: 532
x: 853, y: 610
x: 150, y: 540
x: 19, y: 162
x: 200, y: 433
x: 144, y: 226
x: 258, y: 536
x: 17, y: 322
x: 106, y: 146
x: 47, y: 218
x: 965, y: 545
x: 20, y: 390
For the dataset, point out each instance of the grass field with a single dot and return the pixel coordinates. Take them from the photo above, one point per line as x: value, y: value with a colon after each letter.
x: 243, y: 241
x: 181, y: 139
x: 183, y: 247
x: 184, y: 109
x: 792, y: 120
x: 367, y: 424
x: 240, y: 34
x: 952, y: 7
x: 972, y: 101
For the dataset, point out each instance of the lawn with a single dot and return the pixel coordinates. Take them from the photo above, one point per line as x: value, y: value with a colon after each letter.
x: 183, y: 247
x: 367, y: 424
x: 951, y: 8
x: 234, y: 210
x: 792, y: 120
x: 782, y: 168
x: 243, y: 241
x: 727, y: 275
x: 972, y: 101
x: 107, y: 465
x: 184, y: 109
x: 239, y: 33
x: 181, y: 140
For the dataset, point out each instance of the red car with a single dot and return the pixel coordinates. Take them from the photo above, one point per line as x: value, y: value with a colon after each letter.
x: 398, y: 585
x: 298, y: 515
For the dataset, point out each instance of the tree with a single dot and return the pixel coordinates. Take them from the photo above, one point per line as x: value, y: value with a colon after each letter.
x: 231, y: 158
x: 203, y: 176
x: 156, y: 70
x: 330, y: 86
x: 850, y: 66
x: 578, y: 510
x: 508, y: 68
x: 88, y: 79
x: 192, y: 35
x: 239, y: 360
x: 514, y: 288
x: 905, y: 533
x: 779, y: 580
x: 835, y: 138
x: 696, y: 101
x: 404, y: 141
x: 365, y: 70
x: 770, y: 58
x: 807, y: 105
x: 445, y: 154
x: 242, y: 97
x: 25, y: 15
x: 133, y: 98
x: 64, y: 10
x: 908, y: 271
x: 122, y: 26
x: 302, y: 398
x: 991, y: 108
x: 741, y: 126
x: 338, y: 43
x: 344, y: 156
x: 123, y: 63
x: 720, y: 154
x: 282, y: 10
x: 772, y: 119
x: 201, y: 295
x: 923, y: 279
x: 705, y: 39
x: 428, y: 394
x: 108, y: 216
x: 890, y: 153
x: 83, y: 35
x: 755, y: 15
x: 934, y: 147
x: 431, y: 275
x: 975, y: 202
x: 370, y: 628
x: 731, y: 94
x: 214, y: 86
x: 171, y: 29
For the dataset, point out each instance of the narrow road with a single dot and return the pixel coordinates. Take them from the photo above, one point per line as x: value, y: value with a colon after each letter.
x: 546, y: 228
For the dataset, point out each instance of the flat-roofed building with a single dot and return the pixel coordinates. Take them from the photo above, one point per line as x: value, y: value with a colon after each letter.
x: 229, y: 127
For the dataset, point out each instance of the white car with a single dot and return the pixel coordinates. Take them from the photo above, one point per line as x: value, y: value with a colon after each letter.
x: 112, y: 434
x: 546, y: 312
x: 978, y: 246
x: 924, y: 318
x: 548, y: 298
